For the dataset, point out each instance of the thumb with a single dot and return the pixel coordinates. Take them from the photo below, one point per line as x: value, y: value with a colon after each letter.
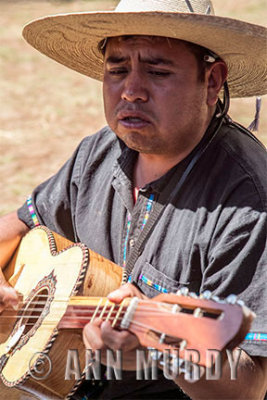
x: 127, y: 290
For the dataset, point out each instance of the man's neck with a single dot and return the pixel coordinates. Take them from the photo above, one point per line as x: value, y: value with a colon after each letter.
x: 149, y: 167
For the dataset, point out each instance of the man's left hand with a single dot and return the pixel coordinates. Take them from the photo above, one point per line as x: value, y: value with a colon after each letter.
x: 99, y: 335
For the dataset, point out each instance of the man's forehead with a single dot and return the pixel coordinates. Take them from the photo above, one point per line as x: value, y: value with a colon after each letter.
x: 155, y: 46
x: 145, y: 39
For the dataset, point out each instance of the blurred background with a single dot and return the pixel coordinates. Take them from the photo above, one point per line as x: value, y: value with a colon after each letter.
x: 47, y: 109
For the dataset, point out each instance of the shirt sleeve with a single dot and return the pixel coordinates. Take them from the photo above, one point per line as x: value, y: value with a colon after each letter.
x: 53, y: 202
x: 238, y: 259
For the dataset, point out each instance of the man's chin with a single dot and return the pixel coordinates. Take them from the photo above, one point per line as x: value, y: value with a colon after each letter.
x: 138, y: 143
x: 141, y: 148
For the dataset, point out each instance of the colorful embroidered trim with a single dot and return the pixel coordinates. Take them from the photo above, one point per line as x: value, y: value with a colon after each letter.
x: 128, y: 226
x: 32, y: 212
x: 154, y: 285
x: 148, y: 210
x: 259, y: 337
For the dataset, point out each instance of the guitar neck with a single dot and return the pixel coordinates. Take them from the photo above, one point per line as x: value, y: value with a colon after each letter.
x: 167, y: 322
x: 82, y: 310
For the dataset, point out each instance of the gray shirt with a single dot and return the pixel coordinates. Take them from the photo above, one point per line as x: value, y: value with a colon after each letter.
x: 212, y: 236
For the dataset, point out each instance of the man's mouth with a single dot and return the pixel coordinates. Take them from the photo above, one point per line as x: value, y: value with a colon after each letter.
x: 133, y: 123
x: 132, y: 120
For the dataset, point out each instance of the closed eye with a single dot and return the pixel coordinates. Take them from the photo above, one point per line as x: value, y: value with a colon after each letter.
x: 117, y: 71
x: 159, y: 73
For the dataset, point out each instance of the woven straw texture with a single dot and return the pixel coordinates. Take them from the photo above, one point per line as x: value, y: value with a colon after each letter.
x: 72, y: 39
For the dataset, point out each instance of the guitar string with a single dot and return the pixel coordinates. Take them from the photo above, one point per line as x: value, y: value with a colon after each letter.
x: 152, y: 312
x: 83, y: 306
x: 140, y: 301
x: 78, y: 318
x: 119, y: 319
x: 82, y: 298
x: 85, y: 309
x: 80, y: 309
x: 48, y: 322
x: 85, y: 298
x: 136, y: 323
x: 67, y: 299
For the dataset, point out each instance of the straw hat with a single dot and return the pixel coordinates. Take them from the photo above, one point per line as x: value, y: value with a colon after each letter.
x: 72, y: 39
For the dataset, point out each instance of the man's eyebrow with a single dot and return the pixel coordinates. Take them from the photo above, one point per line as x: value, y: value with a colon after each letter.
x: 113, y: 59
x: 156, y: 61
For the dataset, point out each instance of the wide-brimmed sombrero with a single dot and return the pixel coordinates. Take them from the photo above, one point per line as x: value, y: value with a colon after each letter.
x: 73, y: 39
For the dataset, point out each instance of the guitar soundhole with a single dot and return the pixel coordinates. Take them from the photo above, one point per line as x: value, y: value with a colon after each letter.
x: 34, y: 310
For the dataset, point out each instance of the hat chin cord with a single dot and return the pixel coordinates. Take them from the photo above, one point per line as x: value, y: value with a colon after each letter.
x: 224, y: 105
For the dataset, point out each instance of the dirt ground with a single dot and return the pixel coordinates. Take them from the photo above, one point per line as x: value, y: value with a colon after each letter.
x: 47, y: 109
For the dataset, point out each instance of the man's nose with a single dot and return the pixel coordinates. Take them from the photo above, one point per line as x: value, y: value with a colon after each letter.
x: 135, y: 88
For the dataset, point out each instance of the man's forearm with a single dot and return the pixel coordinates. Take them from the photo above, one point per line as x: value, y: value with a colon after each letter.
x: 12, y: 229
x: 251, y: 382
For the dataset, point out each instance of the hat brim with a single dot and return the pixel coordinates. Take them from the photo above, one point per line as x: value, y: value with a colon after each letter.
x: 73, y: 39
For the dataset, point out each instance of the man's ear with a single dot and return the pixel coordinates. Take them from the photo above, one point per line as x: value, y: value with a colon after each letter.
x: 217, y: 74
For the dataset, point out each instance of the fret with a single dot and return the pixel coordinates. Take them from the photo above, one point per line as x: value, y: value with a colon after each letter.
x: 110, y: 311
x: 97, y: 309
x: 104, y: 309
x: 118, y: 313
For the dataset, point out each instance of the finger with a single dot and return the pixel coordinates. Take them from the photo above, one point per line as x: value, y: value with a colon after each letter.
x: 8, y: 293
x: 92, y: 335
x: 8, y: 296
x: 127, y: 290
x: 118, y: 340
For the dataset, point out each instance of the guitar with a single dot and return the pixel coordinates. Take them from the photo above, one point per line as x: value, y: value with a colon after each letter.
x: 60, y: 284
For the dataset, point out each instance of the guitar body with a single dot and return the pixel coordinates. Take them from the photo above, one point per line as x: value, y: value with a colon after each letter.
x: 47, y: 270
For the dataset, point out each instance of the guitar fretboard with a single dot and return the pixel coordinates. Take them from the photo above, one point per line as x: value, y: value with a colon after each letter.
x: 78, y: 315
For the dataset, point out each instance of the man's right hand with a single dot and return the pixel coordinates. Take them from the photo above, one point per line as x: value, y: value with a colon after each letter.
x: 12, y: 229
x: 8, y: 298
x: 9, y: 302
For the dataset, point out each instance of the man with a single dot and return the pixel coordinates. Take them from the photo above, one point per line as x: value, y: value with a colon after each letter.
x: 171, y: 156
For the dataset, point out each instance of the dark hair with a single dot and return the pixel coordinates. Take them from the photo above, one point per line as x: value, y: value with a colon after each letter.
x: 198, y: 51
